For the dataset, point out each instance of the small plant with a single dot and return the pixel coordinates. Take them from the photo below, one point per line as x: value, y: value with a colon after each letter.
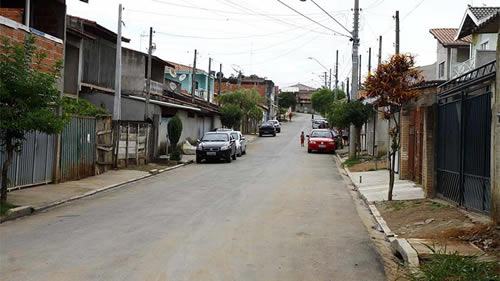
x: 451, y: 266
x: 352, y: 161
x: 174, y: 134
x: 4, y: 207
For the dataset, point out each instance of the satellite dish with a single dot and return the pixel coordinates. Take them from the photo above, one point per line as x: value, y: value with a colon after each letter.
x: 172, y: 72
x: 172, y: 86
x: 182, y: 77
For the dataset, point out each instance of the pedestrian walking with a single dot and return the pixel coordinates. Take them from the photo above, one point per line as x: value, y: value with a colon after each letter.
x: 302, y: 138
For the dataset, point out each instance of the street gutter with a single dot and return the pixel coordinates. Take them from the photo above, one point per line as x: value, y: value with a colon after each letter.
x: 22, y: 211
x: 398, y: 245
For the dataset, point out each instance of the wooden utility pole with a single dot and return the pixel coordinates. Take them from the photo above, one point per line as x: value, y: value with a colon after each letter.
x: 148, y: 81
x: 397, y: 32
x: 369, y: 60
x: 193, y: 76
x: 379, y: 50
x: 220, y: 79
x: 330, y: 82
x: 209, y: 84
x: 118, y: 69
x: 337, y: 69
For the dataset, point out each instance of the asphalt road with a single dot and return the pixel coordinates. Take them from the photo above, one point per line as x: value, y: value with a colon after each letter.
x: 277, y: 213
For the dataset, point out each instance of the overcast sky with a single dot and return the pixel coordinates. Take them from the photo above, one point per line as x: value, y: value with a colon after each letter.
x: 266, y: 38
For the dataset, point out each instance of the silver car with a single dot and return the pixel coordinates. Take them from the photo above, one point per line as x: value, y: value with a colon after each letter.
x: 241, y: 143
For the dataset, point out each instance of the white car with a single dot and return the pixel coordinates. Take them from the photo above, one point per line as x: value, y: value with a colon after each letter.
x: 241, y: 143
x: 276, y: 124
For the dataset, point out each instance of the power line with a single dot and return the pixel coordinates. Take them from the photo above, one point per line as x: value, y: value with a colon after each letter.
x: 341, y: 25
x: 216, y: 10
x: 218, y: 38
x: 243, y: 8
x: 318, y: 23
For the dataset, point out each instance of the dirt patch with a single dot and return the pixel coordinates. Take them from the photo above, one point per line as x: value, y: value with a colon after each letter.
x: 369, y: 166
x: 424, y: 219
x: 428, y: 219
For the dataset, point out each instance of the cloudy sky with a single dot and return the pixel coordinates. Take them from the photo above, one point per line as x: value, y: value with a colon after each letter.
x: 266, y: 38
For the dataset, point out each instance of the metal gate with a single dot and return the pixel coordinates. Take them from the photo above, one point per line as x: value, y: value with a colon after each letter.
x: 34, y: 164
x: 463, y: 152
x: 78, y: 149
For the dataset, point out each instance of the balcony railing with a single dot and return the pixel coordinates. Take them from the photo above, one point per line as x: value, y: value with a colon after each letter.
x: 463, y: 67
x: 479, y: 58
x: 156, y: 87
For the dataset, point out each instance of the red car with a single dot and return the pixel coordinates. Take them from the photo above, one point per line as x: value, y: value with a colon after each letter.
x: 321, y: 140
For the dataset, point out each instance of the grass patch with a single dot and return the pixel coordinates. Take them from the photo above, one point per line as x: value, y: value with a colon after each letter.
x: 352, y: 161
x: 5, y: 207
x: 451, y: 267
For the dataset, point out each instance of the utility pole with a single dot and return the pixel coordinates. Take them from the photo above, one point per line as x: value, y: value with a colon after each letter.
x: 342, y: 86
x: 337, y: 69
x: 209, y: 84
x: 193, y: 76
x: 148, y: 82
x: 369, y: 60
x: 326, y: 80
x: 347, y: 91
x: 220, y: 79
x: 330, y: 82
x: 379, y: 50
x: 397, y: 32
x: 359, y: 79
x: 118, y: 69
x: 355, y: 69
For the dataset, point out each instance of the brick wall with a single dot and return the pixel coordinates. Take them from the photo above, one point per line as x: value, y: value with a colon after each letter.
x: 227, y: 87
x: 52, y: 49
x: 14, y: 14
x: 428, y: 154
x: 404, y: 145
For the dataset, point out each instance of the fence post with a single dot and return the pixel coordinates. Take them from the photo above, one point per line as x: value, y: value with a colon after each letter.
x: 137, y: 145
x: 126, y: 147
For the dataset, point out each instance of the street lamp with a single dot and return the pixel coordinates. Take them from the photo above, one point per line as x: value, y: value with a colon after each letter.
x: 330, y: 70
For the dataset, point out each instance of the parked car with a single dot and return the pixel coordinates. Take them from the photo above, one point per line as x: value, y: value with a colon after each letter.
x: 319, y: 124
x: 267, y: 128
x: 216, y: 146
x: 321, y: 140
x: 277, y: 125
x: 241, y: 143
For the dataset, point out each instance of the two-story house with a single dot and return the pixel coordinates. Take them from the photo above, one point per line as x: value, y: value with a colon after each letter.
x: 450, y: 51
x: 482, y: 45
x: 203, y: 82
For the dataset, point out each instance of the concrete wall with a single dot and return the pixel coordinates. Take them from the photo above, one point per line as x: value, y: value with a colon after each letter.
x: 451, y: 58
x: 478, y: 39
x: 133, y: 67
x: 132, y: 110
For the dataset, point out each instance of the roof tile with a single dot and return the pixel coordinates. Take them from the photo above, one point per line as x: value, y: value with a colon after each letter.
x: 446, y: 36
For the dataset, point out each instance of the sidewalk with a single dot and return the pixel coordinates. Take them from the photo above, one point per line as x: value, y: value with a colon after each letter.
x: 374, y: 185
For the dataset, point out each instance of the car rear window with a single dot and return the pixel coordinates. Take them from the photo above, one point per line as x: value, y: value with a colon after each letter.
x: 321, y: 134
x: 215, y: 137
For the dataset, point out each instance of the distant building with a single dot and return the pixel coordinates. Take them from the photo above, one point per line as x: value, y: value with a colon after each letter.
x: 450, y: 52
x: 303, y: 95
x: 184, y: 75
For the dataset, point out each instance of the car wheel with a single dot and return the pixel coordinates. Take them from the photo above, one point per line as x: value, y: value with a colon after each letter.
x: 274, y: 134
x: 309, y: 151
x: 234, y: 156
x: 198, y: 160
x: 240, y: 153
x: 244, y: 152
x: 228, y: 158
x: 260, y: 135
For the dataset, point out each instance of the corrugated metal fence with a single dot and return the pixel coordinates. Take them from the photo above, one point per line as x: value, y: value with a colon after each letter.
x: 35, y: 163
x: 78, y: 148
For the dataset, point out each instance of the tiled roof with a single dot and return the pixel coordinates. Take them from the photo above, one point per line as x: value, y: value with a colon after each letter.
x: 482, y: 13
x: 182, y: 67
x: 474, y: 17
x: 446, y: 36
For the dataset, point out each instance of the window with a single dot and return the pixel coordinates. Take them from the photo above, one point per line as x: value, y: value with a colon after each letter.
x: 463, y: 54
x: 441, y: 70
x: 484, y: 45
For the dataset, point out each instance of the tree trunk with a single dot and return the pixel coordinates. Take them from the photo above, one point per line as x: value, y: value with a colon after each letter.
x: 391, y: 176
x: 5, y: 170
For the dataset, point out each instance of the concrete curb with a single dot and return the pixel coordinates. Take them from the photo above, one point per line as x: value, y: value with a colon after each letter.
x: 398, y: 245
x: 32, y: 210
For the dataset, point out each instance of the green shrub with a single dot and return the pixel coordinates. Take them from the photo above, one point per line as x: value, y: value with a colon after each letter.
x: 81, y: 107
x: 174, y: 133
x: 448, y: 267
x: 352, y: 161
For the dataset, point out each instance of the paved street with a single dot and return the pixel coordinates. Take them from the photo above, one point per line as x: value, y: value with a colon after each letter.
x: 277, y: 213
